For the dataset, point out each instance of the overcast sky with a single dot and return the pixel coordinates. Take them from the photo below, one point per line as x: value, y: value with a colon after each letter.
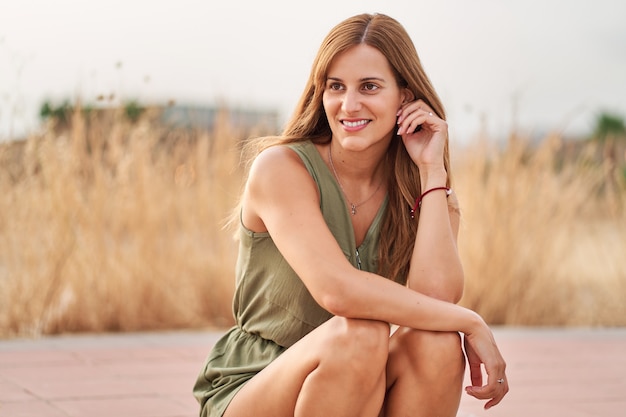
x: 554, y: 64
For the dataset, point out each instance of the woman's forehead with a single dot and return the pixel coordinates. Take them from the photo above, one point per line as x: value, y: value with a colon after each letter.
x: 360, y: 62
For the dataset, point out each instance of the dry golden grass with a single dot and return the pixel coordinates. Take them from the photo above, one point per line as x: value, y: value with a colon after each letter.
x: 543, y: 237
x: 116, y: 227
x: 108, y: 226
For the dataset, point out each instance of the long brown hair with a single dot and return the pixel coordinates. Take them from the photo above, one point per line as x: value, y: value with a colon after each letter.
x: 309, y: 122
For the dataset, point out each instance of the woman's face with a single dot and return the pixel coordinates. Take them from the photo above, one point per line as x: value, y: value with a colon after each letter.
x: 361, y: 97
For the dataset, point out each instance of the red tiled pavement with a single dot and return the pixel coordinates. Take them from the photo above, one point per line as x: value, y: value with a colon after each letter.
x: 552, y: 373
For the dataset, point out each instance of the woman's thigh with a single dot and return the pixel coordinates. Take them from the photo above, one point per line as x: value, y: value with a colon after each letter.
x: 348, y: 348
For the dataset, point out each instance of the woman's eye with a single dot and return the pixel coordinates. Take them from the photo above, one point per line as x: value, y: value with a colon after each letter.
x: 334, y: 86
x: 370, y: 87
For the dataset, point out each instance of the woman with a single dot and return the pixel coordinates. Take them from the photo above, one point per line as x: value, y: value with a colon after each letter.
x: 348, y: 226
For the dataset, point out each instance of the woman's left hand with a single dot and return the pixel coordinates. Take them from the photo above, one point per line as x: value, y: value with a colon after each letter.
x: 424, y: 134
x: 482, y: 351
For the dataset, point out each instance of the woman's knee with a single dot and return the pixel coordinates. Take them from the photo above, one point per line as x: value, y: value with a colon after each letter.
x: 360, y: 343
x: 429, y: 350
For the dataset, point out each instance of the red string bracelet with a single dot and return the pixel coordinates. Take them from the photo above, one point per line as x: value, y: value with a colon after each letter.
x: 418, y: 200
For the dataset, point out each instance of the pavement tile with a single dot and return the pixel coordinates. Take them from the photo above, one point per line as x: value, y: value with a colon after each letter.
x: 16, y: 359
x: 29, y: 409
x: 536, y: 409
x: 552, y: 373
x: 125, y: 407
x: 12, y: 392
x: 123, y: 355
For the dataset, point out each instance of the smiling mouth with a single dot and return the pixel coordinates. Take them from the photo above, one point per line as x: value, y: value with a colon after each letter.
x: 358, y: 123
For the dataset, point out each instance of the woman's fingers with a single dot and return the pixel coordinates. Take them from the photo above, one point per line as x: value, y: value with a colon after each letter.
x: 497, y: 384
x: 493, y: 391
x: 409, y: 108
x: 413, y: 116
x: 475, y: 365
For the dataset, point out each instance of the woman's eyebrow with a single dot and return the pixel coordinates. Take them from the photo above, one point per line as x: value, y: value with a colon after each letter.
x: 382, y: 80
x: 365, y: 79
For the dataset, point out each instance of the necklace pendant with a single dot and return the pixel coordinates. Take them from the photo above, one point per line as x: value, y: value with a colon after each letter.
x: 353, y: 209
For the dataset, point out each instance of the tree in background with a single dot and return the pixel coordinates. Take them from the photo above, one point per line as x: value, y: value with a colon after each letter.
x: 61, y: 113
x: 609, y: 126
x: 610, y: 133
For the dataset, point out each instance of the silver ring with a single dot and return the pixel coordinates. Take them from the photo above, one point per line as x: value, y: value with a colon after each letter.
x: 500, y: 381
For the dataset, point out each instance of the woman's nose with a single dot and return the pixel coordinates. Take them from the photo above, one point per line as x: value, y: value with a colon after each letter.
x: 351, y: 102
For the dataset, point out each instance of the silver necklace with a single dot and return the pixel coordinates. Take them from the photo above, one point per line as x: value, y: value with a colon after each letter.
x: 353, y: 206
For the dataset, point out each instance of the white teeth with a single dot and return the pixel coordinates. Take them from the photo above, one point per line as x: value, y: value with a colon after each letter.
x: 354, y: 124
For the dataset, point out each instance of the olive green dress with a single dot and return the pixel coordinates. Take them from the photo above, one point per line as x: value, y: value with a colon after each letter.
x: 272, y: 307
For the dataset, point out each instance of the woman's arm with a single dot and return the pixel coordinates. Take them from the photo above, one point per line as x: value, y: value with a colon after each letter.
x: 436, y: 268
x: 282, y: 198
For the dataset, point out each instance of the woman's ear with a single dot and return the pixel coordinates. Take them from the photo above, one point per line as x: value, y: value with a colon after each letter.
x: 407, y: 96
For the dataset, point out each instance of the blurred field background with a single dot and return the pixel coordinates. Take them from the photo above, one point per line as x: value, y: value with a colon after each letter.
x: 111, y: 223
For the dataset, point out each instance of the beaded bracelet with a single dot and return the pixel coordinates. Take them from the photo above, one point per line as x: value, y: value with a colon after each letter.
x: 418, y: 200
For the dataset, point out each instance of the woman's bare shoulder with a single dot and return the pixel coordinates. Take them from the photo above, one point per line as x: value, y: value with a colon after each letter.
x: 276, y: 163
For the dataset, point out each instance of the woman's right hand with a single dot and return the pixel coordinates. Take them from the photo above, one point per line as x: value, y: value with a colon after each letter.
x: 481, y: 349
x: 424, y: 134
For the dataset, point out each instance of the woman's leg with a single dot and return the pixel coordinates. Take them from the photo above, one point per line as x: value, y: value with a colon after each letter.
x: 336, y: 370
x: 424, y: 374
